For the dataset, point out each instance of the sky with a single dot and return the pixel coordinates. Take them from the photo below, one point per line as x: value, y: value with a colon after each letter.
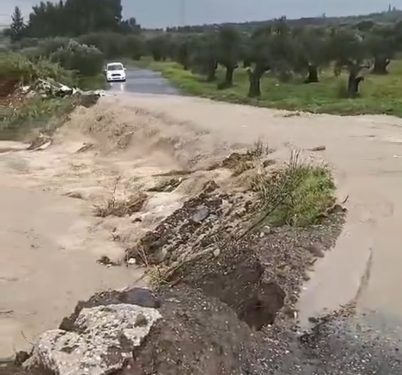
x: 161, y: 13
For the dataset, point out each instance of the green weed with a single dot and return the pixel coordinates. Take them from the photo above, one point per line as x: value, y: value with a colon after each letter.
x: 297, y: 195
x: 44, y: 113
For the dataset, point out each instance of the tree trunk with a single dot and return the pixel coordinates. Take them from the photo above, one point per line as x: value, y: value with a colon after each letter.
x: 229, y: 76
x: 255, y: 81
x: 312, y: 74
x: 211, y: 77
x: 380, y: 65
x: 228, y: 82
x: 353, y: 84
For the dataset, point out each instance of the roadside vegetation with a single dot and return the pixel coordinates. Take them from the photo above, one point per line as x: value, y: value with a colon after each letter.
x: 380, y: 94
x: 345, y: 66
x: 297, y: 195
x: 344, y: 69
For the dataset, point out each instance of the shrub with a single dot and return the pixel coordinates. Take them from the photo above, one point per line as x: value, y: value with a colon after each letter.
x: 34, y: 114
x: 32, y: 53
x: 110, y: 44
x: 50, y: 45
x: 114, y: 45
x: 14, y: 66
x: 133, y: 47
x: 296, y: 195
x: 87, y: 60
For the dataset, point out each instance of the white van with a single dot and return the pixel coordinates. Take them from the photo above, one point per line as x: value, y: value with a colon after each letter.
x: 115, y: 72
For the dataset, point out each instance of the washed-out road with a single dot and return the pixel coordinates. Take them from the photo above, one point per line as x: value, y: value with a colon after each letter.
x: 51, y: 242
x: 365, y: 154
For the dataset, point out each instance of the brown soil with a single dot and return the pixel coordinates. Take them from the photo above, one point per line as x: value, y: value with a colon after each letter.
x: 257, y: 275
x: 7, y: 87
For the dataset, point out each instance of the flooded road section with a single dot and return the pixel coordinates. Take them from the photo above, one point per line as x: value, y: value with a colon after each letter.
x: 143, y: 81
x: 51, y: 239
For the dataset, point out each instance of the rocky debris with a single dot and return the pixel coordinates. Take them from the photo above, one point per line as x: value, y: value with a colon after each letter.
x: 315, y: 250
x: 74, y: 195
x: 197, y: 335
x: 123, y: 207
x: 236, y: 158
x: 40, y: 143
x: 318, y: 148
x: 51, y: 88
x: 134, y: 296
x: 179, y: 237
x: 200, y: 215
x: 102, y: 339
x: 167, y: 185
x: 290, y: 114
x: 258, y: 276
x: 131, y: 261
x: 106, y: 261
x: 86, y: 147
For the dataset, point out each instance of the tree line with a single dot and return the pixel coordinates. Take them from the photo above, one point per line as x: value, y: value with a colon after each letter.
x: 282, y: 48
x: 71, y: 18
x: 284, y: 51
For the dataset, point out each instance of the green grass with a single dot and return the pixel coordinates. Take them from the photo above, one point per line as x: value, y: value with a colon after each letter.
x: 14, y: 66
x: 297, y: 195
x: 44, y: 113
x: 379, y: 94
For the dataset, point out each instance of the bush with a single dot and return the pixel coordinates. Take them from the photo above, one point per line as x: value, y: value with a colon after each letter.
x: 50, y: 45
x: 14, y: 66
x: 133, y: 47
x: 110, y: 44
x: 296, y: 195
x: 114, y: 45
x: 88, y: 61
x: 34, y: 114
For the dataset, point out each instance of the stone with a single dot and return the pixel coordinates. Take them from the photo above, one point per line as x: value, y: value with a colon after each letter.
x: 200, y: 215
x: 267, y: 229
x: 132, y: 261
x: 101, y: 340
x: 318, y: 148
x: 216, y: 253
x: 141, y: 320
x: 316, y: 251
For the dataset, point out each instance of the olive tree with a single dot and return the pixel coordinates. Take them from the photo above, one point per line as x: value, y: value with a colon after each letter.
x: 381, y: 45
x: 313, y: 52
x: 349, y: 50
x: 182, y: 50
x: 160, y: 47
x: 229, y: 53
x: 258, y: 59
x: 205, y: 55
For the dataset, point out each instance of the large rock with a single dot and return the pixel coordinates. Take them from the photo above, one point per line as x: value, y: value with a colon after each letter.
x: 102, y: 339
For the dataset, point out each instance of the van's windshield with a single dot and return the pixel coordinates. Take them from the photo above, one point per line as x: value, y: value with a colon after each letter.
x: 115, y: 67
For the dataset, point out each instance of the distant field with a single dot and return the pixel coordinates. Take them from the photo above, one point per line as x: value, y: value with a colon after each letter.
x: 379, y: 94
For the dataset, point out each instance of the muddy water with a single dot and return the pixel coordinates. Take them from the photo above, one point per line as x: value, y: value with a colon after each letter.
x: 47, y: 264
x: 51, y: 241
x: 144, y: 81
x: 365, y: 153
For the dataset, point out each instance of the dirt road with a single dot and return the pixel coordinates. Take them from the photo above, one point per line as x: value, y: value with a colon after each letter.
x: 51, y: 239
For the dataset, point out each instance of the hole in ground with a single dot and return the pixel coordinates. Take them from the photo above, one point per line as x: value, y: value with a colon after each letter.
x: 261, y: 309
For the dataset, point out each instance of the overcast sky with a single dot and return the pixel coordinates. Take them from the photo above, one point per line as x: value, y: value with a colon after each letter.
x: 159, y: 13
